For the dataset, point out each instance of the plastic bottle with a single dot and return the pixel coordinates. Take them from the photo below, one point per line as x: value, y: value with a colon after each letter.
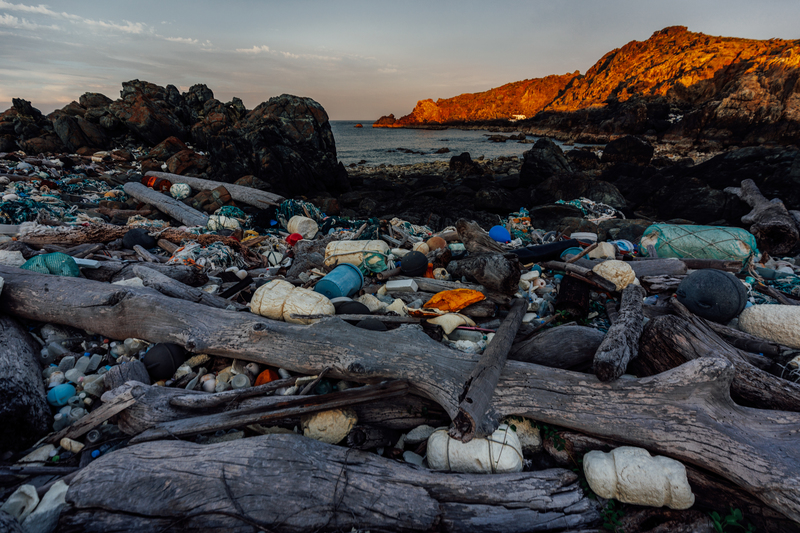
x: 94, y: 385
x: 60, y: 422
x: 76, y: 413
x: 73, y: 375
x: 83, y: 363
x: 67, y: 363
x: 119, y: 349
x: 94, y: 362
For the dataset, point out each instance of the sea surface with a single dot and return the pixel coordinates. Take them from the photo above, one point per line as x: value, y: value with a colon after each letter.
x: 378, y: 146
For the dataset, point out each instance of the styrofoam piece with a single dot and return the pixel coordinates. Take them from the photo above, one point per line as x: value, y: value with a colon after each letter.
x: 777, y: 323
x: 86, y: 263
x: 499, y: 453
x: 402, y: 285
x: 329, y: 426
x: 619, y: 273
x: 45, y: 518
x: 21, y: 503
x: 632, y: 475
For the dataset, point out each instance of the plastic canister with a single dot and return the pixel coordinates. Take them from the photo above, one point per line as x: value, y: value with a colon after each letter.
x: 575, y: 250
x: 344, y: 280
x: 352, y: 252
x: 623, y: 246
x: 303, y: 225
x: 60, y: 394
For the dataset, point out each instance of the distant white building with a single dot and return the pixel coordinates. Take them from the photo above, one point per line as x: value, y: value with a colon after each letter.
x: 515, y: 118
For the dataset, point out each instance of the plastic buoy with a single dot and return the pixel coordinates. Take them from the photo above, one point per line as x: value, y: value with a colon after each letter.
x: 500, y: 234
x: 163, y: 359
x: 414, y: 264
x: 712, y: 294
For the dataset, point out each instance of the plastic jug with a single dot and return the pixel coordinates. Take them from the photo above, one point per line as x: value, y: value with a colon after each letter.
x: 344, y: 280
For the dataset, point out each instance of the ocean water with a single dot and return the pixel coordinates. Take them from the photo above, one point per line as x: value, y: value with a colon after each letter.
x: 381, y: 145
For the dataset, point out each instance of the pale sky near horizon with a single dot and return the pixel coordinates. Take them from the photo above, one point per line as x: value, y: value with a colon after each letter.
x: 359, y: 59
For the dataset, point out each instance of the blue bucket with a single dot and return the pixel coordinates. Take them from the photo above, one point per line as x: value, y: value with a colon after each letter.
x: 344, y: 280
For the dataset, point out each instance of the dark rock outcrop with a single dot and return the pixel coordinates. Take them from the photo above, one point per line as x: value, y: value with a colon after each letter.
x: 464, y: 165
x: 628, y: 149
x: 544, y: 160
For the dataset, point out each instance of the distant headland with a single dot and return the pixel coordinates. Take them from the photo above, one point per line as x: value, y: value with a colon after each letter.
x: 676, y: 86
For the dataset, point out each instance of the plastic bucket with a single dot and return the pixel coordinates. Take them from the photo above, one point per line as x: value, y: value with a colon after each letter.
x: 344, y: 280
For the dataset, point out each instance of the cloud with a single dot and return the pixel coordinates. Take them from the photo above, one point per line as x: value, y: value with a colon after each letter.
x: 181, y: 40
x: 254, y: 50
x: 310, y: 56
x: 41, y: 9
x: 387, y: 70
x: 128, y: 27
x: 11, y: 21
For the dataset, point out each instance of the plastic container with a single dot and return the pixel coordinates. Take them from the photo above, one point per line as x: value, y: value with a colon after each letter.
x: 499, y: 234
x: 544, y: 252
x: 575, y: 250
x: 159, y: 184
x: 302, y: 225
x: 353, y: 252
x: 59, y: 395
x: 699, y: 242
x: 240, y: 381
x: 279, y: 299
x: 344, y: 280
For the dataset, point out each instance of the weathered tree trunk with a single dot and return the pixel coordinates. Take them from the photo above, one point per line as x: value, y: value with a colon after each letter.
x: 167, y: 204
x: 474, y: 418
x: 118, y: 375
x: 117, y: 270
x: 621, y: 343
x: 24, y: 414
x: 685, y: 413
x: 240, y: 193
x: 771, y: 223
x: 669, y: 341
x: 476, y: 240
x: 288, y: 483
x: 170, y: 287
x: 496, y: 272
x: 560, y: 347
x: 41, y: 235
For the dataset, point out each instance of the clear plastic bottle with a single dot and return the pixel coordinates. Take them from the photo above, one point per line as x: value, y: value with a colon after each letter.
x: 94, y: 385
x: 94, y: 362
x: 76, y: 413
x: 60, y: 422
x: 73, y: 375
x: 67, y: 363
x: 83, y: 363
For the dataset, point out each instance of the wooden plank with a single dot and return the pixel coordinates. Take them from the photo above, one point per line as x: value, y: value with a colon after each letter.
x: 95, y: 418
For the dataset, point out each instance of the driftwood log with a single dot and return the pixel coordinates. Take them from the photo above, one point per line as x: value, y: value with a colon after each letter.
x: 476, y: 240
x: 473, y: 418
x: 240, y: 193
x: 669, y: 341
x: 770, y: 221
x: 560, y: 347
x: 170, y: 287
x: 24, y: 413
x: 496, y: 272
x: 685, y: 413
x: 117, y: 271
x: 621, y: 343
x: 166, y: 204
x: 287, y: 483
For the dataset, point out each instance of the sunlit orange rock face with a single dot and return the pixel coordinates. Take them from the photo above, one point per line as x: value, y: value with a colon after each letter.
x: 721, y: 84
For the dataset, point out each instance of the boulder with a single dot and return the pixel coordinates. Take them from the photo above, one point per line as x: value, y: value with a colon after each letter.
x: 548, y: 217
x: 583, y: 160
x: 167, y: 148
x: 628, y: 149
x: 571, y: 186
x: 144, y: 111
x: 464, y: 165
x: 544, y: 160
x: 69, y: 132
x: 93, y: 100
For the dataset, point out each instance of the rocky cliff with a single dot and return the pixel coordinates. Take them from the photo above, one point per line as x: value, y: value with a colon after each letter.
x: 676, y: 85
x: 286, y: 142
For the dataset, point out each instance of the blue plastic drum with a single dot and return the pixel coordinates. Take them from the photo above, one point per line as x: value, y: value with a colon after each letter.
x: 344, y: 280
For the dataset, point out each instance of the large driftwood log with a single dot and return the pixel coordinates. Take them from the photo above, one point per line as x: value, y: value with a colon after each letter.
x: 167, y: 204
x: 473, y: 418
x: 496, y: 272
x: 686, y: 413
x: 621, y: 343
x: 170, y: 287
x: 156, y: 405
x: 770, y: 222
x: 240, y: 193
x: 476, y: 240
x: 669, y: 341
x: 560, y: 347
x: 288, y: 483
x: 24, y: 413
x: 117, y: 270
x: 38, y: 235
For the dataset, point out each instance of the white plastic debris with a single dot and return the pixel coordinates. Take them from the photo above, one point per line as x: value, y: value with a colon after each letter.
x: 45, y: 518
x: 21, y: 503
x: 329, y: 426
x: 501, y: 452
x: 777, y: 323
x: 632, y: 475
x: 619, y: 273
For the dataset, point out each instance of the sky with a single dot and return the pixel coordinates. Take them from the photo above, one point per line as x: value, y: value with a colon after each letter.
x: 359, y: 59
